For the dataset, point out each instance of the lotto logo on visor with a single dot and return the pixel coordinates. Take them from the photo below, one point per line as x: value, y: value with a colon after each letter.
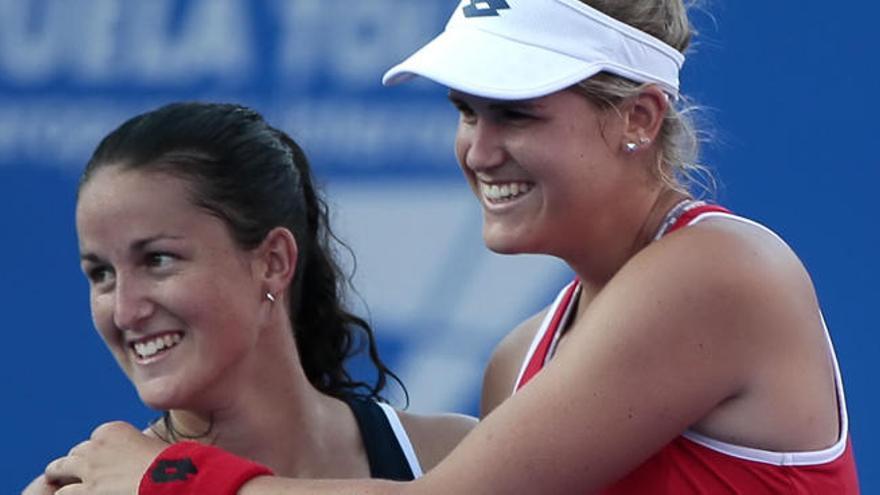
x: 483, y: 8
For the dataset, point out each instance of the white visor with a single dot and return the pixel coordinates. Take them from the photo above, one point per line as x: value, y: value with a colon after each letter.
x: 521, y: 49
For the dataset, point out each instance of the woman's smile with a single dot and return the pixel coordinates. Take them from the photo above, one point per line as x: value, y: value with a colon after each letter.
x: 152, y: 348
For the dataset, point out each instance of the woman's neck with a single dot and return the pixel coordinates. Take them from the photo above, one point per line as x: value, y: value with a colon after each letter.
x: 629, y: 234
x: 665, y: 202
x: 272, y: 414
x: 304, y: 435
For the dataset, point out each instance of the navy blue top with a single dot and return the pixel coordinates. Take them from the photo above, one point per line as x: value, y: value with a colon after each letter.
x: 386, y: 457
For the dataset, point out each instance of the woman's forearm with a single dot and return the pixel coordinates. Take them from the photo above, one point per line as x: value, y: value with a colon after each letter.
x: 272, y: 485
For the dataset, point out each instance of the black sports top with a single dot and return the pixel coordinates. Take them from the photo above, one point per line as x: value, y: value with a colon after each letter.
x: 388, y: 447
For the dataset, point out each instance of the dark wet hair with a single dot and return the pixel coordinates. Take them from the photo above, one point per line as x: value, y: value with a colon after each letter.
x: 256, y: 178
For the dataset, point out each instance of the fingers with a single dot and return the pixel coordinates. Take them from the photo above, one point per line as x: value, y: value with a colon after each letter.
x: 92, y: 467
x: 78, y: 448
x: 39, y: 486
x: 65, y: 475
x: 64, y: 471
x: 114, y: 429
x: 74, y: 489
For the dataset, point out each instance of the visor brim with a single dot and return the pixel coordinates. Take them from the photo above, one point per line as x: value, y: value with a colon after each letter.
x: 491, y: 66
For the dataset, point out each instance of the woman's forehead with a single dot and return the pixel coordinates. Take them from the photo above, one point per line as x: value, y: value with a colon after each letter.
x: 455, y: 95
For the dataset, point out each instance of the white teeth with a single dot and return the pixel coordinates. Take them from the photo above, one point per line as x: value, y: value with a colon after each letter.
x: 149, y: 348
x: 506, y: 191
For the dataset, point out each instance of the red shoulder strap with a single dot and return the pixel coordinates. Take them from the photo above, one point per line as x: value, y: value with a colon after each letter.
x: 537, y: 359
x: 693, y: 213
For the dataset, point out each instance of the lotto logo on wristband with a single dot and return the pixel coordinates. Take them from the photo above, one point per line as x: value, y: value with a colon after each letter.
x: 168, y: 470
x: 174, y: 471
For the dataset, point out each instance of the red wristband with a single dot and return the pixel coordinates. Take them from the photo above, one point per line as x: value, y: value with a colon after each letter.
x: 190, y: 468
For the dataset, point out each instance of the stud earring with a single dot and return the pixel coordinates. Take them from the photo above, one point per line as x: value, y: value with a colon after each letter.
x: 630, y: 147
x: 644, y: 140
x: 270, y: 297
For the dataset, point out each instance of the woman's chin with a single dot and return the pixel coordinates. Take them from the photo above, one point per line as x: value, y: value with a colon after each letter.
x: 159, y: 398
x: 504, y: 242
x: 502, y: 248
x: 159, y: 405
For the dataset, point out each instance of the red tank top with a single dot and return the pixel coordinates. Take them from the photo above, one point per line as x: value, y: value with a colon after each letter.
x: 694, y: 464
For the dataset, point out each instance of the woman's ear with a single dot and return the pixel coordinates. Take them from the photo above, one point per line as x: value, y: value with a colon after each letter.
x: 276, y: 260
x: 644, y: 115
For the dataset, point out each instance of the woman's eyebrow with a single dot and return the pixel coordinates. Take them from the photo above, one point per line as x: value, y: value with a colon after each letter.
x: 531, y: 104
x: 136, y: 246
x: 141, y: 244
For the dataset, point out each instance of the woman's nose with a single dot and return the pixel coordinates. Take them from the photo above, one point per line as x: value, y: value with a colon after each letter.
x: 482, y: 145
x: 131, y: 304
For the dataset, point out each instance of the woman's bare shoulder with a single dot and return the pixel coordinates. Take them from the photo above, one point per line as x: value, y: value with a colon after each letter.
x: 507, y: 358
x: 435, y: 435
x: 735, y: 257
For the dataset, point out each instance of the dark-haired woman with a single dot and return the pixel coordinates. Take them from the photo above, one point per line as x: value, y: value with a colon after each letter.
x: 205, y: 245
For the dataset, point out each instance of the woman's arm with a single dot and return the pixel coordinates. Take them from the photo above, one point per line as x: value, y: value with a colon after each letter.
x: 433, y: 436
x: 270, y: 485
x: 655, y: 351
x: 672, y: 336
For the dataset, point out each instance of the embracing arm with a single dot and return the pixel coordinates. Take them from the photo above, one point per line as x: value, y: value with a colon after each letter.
x: 269, y: 485
x: 658, y: 349
x: 671, y: 337
x: 433, y: 436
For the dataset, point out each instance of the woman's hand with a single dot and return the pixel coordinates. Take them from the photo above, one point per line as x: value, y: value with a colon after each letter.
x: 40, y: 486
x: 111, y: 462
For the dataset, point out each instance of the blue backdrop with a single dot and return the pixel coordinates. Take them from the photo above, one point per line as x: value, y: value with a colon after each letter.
x: 790, y: 91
